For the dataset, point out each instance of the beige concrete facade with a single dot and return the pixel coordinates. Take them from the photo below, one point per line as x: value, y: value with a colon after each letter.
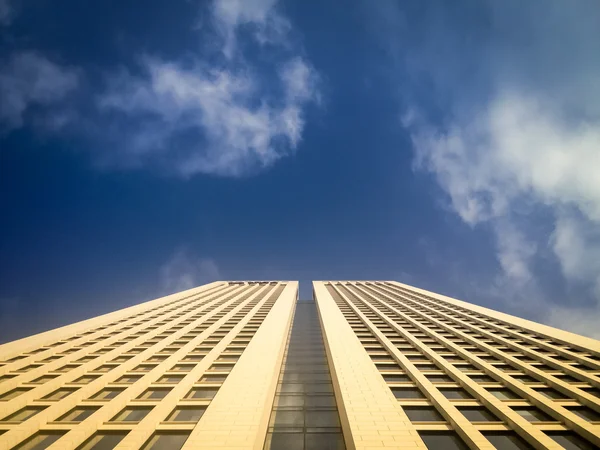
x: 415, y: 369
x: 143, y: 377
x: 204, y: 369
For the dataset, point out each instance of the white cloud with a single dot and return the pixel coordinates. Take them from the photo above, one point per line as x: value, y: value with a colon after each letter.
x: 227, y: 117
x: 184, y: 271
x: 29, y: 80
x: 266, y: 25
x: 204, y: 120
x: 519, y: 144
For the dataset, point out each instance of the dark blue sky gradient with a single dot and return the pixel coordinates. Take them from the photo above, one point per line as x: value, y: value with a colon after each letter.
x: 78, y: 240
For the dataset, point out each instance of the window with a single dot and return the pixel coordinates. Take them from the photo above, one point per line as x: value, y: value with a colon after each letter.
x: 166, y: 441
x: 144, y: 368
x: 213, y: 378
x: 202, y: 393
x: 170, y: 379
x: 104, y: 368
x: 442, y: 440
x: 570, y: 440
x: 103, y: 440
x: 23, y: 414
x: 78, y: 414
x: 59, y: 394
x: 552, y: 393
x: 407, y: 392
x: 503, y: 393
x: 456, y: 393
x: 478, y: 414
x: 154, y: 393
x: 506, y: 440
x: 128, y: 379
x: 585, y: 413
x: 182, y: 367
x: 186, y: 414
x: 86, y: 379
x: 532, y: 414
x: 482, y: 378
x: 132, y: 414
x: 44, y: 379
x: 525, y: 379
x: 439, y: 378
x: 6, y: 377
x: 423, y: 414
x: 40, y: 440
x: 107, y: 393
x: 13, y: 393
x: 67, y: 368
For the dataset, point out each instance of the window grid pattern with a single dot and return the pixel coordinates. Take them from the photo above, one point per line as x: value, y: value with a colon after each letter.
x: 186, y: 343
x: 449, y: 365
x: 304, y: 414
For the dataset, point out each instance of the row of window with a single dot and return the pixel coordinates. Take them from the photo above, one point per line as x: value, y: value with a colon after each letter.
x: 407, y: 392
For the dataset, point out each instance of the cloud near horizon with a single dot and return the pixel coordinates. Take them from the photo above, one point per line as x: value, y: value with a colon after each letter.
x: 520, y: 146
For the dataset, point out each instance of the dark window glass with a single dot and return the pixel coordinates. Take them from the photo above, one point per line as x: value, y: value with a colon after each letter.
x: 13, y: 393
x: 128, y: 379
x: 525, y: 379
x: 442, y: 440
x: 322, y: 441
x: 423, y: 414
x: 287, y: 419
x: 478, y: 414
x: 396, y: 378
x: 570, y: 440
x: 23, y: 414
x: 503, y: 393
x: 103, y: 441
x: 59, y: 394
x: 213, y: 378
x: 40, y: 441
x: 401, y: 392
x: 44, y: 379
x: 585, y: 413
x: 552, y: 393
x: 132, y: 414
x: 320, y: 401
x: 482, y: 378
x: 455, y: 393
x: 202, y: 393
x: 154, y: 393
x: 107, y: 393
x: 78, y: 414
x: 506, y: 440
x: 322, y: 419
x: 533, y: 414
x: 166, y: 441
x: 439, y: 378
x: 285, y: 441
x: 170, y: 379
x: 186, y: 414
x: 86, y: 379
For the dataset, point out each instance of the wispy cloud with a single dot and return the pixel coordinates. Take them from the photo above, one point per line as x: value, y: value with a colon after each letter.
x: 30, y: 81
x: 227, y: 116
x: 521, y: 143
x: 232, y: 107
x: 184, y: 270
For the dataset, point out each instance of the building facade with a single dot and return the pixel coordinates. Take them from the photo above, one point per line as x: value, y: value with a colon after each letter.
x: 246, y: 365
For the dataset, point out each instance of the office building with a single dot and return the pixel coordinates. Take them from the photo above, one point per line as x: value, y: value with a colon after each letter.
x: 247, y: 365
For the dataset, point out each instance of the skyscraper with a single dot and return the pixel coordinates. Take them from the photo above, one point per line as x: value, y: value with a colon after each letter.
x: 246, y: 365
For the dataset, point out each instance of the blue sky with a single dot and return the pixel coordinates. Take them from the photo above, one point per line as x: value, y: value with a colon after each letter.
x: 454, y: 146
